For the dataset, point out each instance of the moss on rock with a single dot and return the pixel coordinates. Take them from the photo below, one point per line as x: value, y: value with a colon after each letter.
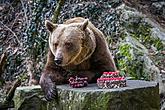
x: 137, y: 40
x: 138, y: 95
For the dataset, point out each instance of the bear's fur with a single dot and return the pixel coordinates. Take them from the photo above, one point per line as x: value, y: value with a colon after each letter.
x: 80, y: 49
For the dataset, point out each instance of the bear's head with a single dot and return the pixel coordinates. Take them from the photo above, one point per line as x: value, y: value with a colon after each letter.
x: 70, y: 43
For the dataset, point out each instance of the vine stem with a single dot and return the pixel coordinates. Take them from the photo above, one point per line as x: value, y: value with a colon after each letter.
x: 57, y: 11
x: 11, y: 32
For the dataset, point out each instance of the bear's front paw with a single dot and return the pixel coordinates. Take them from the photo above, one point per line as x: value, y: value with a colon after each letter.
x: 50, y: 92
x: 49, y: 88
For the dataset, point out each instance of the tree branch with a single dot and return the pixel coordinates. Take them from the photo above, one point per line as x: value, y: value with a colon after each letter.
x: 9, y: 103
x: 3, y: 61
x: 10, y: 94
x: 12, y: 33
x: 57, y: 11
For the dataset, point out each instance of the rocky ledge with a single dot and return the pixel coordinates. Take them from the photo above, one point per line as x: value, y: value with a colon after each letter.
x: 138, y: 95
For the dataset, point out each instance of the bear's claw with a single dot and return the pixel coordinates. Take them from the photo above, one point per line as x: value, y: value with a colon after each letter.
x: 49, y: 88
x: 51, y: 94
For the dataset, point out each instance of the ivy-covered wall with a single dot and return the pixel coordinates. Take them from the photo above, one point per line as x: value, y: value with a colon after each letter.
x: 28, y: 47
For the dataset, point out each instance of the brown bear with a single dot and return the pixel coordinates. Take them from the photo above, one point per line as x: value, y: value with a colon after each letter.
x: 76, y: 47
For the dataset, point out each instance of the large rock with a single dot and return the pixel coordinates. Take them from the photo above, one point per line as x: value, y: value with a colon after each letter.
x: 151, y: 34
x: 138, y: 95
x: 135, y: 60
x: 140, y: 46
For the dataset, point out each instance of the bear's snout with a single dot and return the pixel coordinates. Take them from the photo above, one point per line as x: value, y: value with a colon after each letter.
x: 58, y: 61
x: 58, y: 57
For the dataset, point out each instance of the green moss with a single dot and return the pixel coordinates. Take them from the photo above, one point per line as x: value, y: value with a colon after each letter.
x: 142, y: 32
x: 124, y: 52
x: 97, y: 102
x: 129, y: 64
x: 133, y: 52
x: 103, y: 101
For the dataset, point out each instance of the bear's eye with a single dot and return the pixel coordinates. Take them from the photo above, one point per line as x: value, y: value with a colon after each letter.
x: 55, y: 44
x: 68, y: 44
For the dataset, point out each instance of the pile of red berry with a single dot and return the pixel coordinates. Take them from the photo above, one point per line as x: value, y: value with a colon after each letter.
x: 78, y: 82
x: 111, y: 80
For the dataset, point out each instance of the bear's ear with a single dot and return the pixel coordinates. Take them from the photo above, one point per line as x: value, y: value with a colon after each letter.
x: 50, y: 26
x: 84, y: 25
